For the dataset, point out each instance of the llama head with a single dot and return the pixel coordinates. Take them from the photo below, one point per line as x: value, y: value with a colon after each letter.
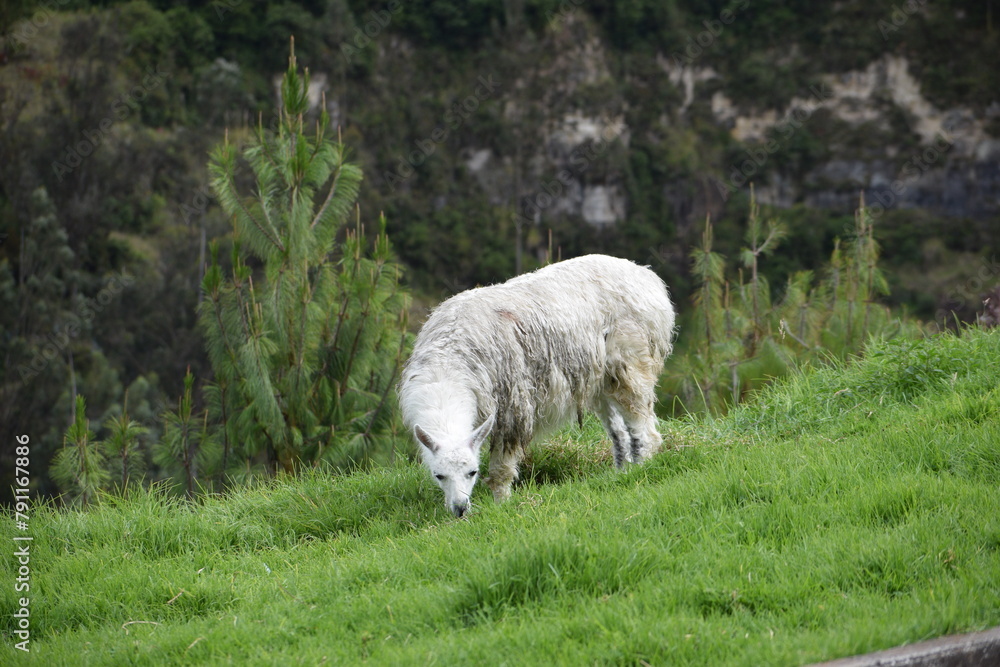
x: 454, y: 463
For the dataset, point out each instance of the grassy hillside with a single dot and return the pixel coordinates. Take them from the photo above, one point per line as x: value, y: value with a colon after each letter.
x: 846, y: 510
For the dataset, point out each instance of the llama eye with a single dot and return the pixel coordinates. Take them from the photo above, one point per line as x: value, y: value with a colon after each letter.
x: 472, y: 473
x: 440, y: 477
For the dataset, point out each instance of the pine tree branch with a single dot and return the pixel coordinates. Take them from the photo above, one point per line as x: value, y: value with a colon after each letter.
x: 264, y: 208
x: 388, y: 386
x: 347, y: 298
x: 223, y: 334
x: 253, y: 340
x: 783, y: 326
x: 225, y: 429
x: 271, y: 234
x: 329, y: 198
x: 303, y: 312
x: 354, y: 345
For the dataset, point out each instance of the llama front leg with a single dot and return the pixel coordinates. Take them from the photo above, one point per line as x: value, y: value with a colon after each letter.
x: 644, y: 434
x: 621, y: 440
x: 503, y: 470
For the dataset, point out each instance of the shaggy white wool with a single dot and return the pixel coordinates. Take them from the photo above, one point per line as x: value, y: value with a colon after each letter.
x: 589, y: 333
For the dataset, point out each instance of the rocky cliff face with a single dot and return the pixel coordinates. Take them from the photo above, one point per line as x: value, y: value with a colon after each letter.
x: 952, y: 167
x: 553, y: 168
x: 896, y: 146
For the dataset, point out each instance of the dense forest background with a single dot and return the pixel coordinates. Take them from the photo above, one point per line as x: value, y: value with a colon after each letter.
x: 494, y: 135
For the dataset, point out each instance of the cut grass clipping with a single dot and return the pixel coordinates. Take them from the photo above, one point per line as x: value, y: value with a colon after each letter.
x: 847, y: 510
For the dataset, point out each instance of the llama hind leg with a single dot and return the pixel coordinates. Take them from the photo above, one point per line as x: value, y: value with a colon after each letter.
x: 631, y: 370
x: 644, y: 434
x: 634, y: 437
x: 504, y: 462
x: 629, y: 418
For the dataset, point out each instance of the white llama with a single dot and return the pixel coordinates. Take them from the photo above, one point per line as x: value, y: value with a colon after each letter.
x: 523, y: 357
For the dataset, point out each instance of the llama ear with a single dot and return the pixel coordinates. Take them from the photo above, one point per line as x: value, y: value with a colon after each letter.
x: 424, y: 439
x: 480, y: 434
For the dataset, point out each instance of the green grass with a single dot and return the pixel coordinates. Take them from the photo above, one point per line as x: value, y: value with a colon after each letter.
x: 847, y: 510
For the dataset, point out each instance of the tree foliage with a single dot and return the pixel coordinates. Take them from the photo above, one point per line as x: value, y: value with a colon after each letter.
x: 305, y: 325
x: 740, y: 338
x: 187, y: 449
x: 79, y: 467
x: 306, y: 355
x: 122, y: 449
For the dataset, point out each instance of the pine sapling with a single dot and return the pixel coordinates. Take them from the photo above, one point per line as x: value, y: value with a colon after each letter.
x: 79, y: 467
x: 121, y: 447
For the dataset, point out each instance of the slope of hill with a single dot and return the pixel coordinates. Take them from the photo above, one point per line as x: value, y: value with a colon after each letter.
x: 490, y: 133
x: 848, y: 509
